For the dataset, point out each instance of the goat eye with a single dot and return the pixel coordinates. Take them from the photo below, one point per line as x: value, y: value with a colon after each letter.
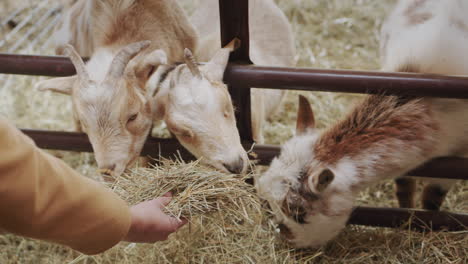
x: 132, y: 117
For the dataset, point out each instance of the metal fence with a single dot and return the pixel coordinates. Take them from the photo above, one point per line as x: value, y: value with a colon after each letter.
x: 240, y: 75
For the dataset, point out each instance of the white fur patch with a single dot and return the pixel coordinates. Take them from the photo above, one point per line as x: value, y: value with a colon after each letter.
x: 295, y: 155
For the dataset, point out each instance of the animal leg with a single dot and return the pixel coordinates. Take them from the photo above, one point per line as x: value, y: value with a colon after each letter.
x: 405, y: 189
x: 434, y: 193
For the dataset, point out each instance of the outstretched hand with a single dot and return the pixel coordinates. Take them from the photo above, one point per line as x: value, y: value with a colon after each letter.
x: 150, y: 223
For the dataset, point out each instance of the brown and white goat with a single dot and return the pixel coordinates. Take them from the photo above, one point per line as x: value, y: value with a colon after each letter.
x: 111, y: 100
x: 271, y: 44
x: 312, y: 185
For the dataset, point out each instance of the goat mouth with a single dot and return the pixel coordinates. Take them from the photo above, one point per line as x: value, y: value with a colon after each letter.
x: 107, y: 172
x: 131, y: 162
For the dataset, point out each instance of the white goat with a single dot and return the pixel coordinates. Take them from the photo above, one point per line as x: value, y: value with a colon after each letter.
x: 197, y: 109
x: 195, y: 103
x: 271, y: 44
x: 111, y: 100
x: 312, y: 185
x: 205, y: 128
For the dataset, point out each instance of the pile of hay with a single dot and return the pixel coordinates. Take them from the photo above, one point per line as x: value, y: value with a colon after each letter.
x: 228, y: 223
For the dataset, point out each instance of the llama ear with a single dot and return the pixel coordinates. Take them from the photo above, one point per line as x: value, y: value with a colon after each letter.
x: 305, y: 117
x: 320, y: 182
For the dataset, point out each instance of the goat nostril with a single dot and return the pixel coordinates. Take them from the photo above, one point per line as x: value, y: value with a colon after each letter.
x: 235, y: 167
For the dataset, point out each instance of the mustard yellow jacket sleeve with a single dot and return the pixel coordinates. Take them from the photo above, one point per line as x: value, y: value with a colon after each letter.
x: 41, y: 197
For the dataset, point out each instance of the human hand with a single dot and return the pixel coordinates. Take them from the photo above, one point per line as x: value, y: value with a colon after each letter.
x: 150, y: 223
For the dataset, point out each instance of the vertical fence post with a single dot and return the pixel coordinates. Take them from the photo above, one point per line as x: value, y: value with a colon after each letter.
x: 234, y: 16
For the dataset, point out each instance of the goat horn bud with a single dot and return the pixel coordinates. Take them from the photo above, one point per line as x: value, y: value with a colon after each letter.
x: 77, y: 62
x: 191, y: 63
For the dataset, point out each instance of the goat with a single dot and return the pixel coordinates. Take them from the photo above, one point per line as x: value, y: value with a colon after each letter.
x: 312, y: 185
x: 197, y: 109
x: 195, y: 103
x: 271, y: 44
x: 111, y: 100
x: 419, y: 16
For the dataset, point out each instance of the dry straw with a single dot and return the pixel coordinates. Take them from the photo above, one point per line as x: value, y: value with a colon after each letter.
x: 228, y: 223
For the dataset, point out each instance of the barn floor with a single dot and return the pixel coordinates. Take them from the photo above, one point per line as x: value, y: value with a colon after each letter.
x: 337, y: 34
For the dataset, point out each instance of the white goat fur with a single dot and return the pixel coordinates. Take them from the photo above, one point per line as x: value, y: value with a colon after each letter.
x: 116, y: 111
x: 195, y: 103
x: 271, y: 44
x: 317, y: 176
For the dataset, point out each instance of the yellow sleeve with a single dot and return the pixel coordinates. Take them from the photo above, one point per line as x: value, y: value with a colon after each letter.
x: 41, y: 197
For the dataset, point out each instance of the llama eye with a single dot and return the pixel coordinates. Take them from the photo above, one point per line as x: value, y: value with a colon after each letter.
x: 132, y: 118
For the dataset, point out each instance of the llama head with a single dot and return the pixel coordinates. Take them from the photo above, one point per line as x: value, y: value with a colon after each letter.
x: 197, y: 108
x: 110, y: 102
x: 304, y: 195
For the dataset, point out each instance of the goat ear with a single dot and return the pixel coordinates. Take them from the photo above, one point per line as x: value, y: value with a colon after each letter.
x: 146, y: 69
x: 320, y: 182
x: 215, y: 68
x: 153, y: 60
x: 159, y: 102
x: 178, y: 129
x: 154, y: 81
x: 61, y: 85
x: 305, y: 117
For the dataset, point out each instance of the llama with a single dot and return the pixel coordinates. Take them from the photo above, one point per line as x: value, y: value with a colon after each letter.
x: 312, y: 185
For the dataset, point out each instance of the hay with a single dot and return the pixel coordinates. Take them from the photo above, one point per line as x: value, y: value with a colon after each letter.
x: 197, y: 190
x: 227, y: 221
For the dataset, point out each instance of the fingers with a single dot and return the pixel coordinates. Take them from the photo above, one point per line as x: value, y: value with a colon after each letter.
x: 163, y: 201
x: 168, y: 194
x: 175, y: 223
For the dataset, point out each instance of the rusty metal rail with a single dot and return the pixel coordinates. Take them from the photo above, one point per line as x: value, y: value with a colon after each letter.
x: 241, y: 75
x: 450, y: 167
x: 244, y: 76
x: 421, y: 220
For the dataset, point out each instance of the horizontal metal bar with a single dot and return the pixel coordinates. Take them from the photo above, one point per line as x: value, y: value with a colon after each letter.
x: 452, y: 168
x: 72, y: 141
x: 36, y: 65
x: 345, y: 81
x: 282, y: 78
x: 413, y: 218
